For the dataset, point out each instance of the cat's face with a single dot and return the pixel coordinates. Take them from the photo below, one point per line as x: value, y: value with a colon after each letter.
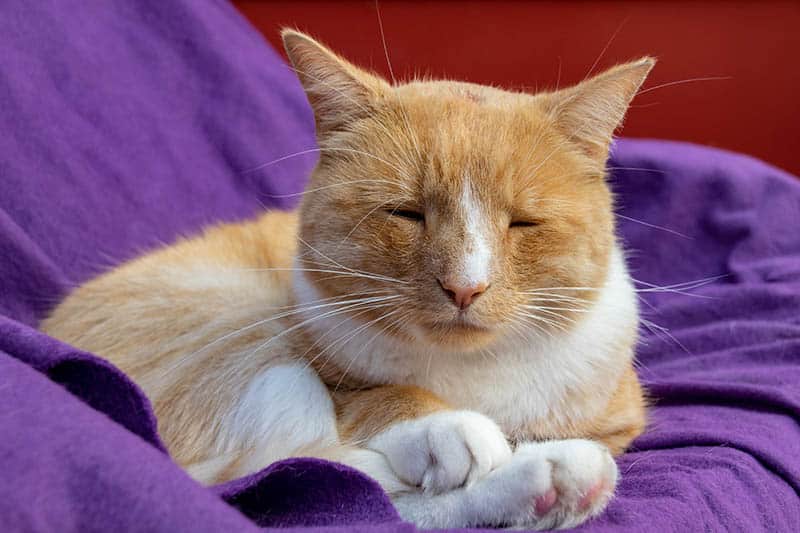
x: 479, y: 212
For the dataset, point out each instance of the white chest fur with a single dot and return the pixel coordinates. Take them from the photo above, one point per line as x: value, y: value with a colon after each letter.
x: 518, y: 380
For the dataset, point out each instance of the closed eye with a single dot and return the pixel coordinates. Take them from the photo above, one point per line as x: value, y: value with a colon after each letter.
x: 523, y: 223
x: 409, y: 214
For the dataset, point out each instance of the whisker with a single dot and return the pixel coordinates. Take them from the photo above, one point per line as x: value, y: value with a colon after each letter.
x: 689, y: 80
x: 565, y: 289
x: 639, y: 169
x: 678, y: 288
x: 653, y: 327
x: 558, y: 77
x: 428, y: 366
x: 324, y: 187
x: 383, y: 40
x: 335, y: 312
x: 329, y: 298
x: 571, y: 309
x: 358, y: 301
x: 336, y: 342
x: 557, y: 297
x: 608, y: 44
x: 370, y: 212
x: 555, y: 315
x: 686, y: 285
x: 353, y: 359
x: 544, y: 320
x: 489, y: 352
x: 556, y: 149
x: 280, y: 160
x: 321, y: 337
x: 354, y: 274
x: 654, y: 226
x: 349, y: 269
x: 336, y: 263
x: 329, y: 149
x: 524, y: 323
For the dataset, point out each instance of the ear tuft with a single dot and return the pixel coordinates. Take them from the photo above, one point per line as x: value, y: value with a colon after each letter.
x: 338, y: 91
x: 589, y: 112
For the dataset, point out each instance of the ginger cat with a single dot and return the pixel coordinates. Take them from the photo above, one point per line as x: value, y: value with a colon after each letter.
x: 449, y: 310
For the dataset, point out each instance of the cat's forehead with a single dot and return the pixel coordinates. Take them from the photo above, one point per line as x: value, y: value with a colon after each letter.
x: 466, y: 132
x: 456, y: 90
x: 456, y: 117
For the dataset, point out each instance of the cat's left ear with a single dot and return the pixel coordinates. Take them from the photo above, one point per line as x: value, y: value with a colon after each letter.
x: 589, y: 112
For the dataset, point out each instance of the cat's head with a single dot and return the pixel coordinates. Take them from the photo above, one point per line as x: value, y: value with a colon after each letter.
x: 478, y: 211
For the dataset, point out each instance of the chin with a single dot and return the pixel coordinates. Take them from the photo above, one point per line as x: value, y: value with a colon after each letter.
x: 459, y: 335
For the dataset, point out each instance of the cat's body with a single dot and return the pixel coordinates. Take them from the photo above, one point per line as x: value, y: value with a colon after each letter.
x: 406, y: 325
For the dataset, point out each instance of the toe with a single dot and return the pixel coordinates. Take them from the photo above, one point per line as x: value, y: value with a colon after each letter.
x: 591, y: 495
x: 545, y: 502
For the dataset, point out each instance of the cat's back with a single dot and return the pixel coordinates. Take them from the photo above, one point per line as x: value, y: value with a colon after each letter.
x: 172, y: 300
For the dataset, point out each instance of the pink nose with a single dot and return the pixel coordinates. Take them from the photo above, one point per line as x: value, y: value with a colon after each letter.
x: 462, y: 294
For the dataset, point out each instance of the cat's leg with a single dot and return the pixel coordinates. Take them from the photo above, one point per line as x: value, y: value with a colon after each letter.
x: 545, y: 485
x: 441, y: 467
x: 427, y: 445
x: 287, y: 411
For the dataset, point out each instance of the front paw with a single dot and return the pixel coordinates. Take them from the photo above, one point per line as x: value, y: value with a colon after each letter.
x: 444, y: 450
x: 584, y: 478
x: 560, y: 483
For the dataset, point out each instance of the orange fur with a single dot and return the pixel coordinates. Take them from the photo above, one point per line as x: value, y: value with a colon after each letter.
x: 622, y: 419
x: 167, y: 318
x: 363, y: 414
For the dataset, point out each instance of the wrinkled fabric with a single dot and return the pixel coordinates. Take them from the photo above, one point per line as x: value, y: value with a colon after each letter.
x: 125, y: 125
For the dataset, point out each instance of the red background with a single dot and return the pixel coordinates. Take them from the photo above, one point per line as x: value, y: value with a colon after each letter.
x: 526, y: 44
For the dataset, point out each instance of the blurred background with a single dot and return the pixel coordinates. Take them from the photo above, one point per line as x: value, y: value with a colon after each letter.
x: 743, y: 57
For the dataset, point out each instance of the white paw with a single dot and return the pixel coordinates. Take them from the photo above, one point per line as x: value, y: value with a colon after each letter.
x: 555, y: 484
x: 442, y: 451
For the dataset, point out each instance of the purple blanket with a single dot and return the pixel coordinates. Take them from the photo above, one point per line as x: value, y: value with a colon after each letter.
x: 125, y: 124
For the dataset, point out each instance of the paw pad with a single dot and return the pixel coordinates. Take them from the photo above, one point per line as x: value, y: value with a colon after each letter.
x: 591, y: 495
x: 545, y: 502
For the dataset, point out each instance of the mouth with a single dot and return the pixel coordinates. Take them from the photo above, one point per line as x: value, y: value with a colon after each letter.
x: 461, y: 323
x: 458, y: 334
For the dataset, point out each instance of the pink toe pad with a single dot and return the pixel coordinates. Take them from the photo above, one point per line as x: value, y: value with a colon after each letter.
x: 545, y: 502
x: 588, y: 498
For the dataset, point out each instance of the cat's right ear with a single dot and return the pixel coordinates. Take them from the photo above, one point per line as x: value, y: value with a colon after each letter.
x: 338, y: 91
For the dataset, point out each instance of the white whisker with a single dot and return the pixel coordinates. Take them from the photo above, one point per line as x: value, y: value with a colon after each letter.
x: 570, y: 309
x: 605, y: 48
x: 690, y: 80
x: 544, y: 320
x: 353, y: 359
x: 304, y: 309
x: 383, y: 41
x: 330, y: 149
x: 653, y: 327
x: 654, y: 226
x: 351, y: 273
x: 381, y: 277
x: 335, y: 342
x: 335, y: 312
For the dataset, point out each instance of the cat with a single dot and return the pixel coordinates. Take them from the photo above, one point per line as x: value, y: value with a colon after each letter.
x: 448, y: 310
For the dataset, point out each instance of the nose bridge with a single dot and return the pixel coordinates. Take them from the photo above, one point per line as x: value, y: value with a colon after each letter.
x: 469, y: 262
x: 475, y: 254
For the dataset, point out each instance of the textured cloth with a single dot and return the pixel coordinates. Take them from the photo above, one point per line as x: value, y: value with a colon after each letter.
x: 126, y: 124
